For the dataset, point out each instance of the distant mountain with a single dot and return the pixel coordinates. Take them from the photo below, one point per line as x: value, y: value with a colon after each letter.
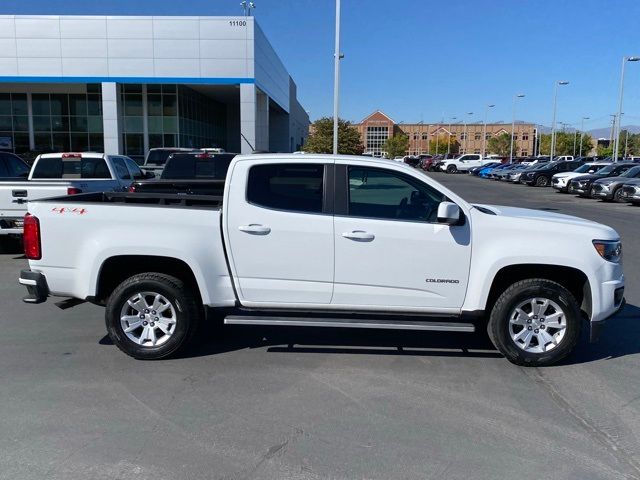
x: 606, y: 132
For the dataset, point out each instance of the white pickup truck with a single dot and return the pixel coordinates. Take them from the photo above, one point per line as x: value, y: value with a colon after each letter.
x: 55, y: 174
x: 325, y: 241
x: 464, y: 163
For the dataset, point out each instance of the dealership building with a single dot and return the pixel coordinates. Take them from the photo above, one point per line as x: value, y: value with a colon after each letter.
x: 127, y: 84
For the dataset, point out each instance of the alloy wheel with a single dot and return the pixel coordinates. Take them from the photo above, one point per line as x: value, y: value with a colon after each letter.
x: 148, y: 319
x: 537, y: 325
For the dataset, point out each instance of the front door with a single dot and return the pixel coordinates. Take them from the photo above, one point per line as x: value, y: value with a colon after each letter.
x: 390, y: 251
x: 280, y: 233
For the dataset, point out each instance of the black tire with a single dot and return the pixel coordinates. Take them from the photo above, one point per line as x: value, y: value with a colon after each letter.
x: 452, y: 169
x: 188, y: 312
x: 618, y: 195
x: 542, y: 181
x: 499, y: 321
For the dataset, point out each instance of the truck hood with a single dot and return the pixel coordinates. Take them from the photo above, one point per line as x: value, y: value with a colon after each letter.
x: 601, y: 231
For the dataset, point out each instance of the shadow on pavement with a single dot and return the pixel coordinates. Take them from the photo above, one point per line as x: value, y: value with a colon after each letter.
x: 620, y: 338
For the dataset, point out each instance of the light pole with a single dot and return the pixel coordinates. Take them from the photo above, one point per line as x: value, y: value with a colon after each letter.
x: 513, y: 123
x: 247, y: 7
x: 449, y: 143
x: 582, y: 134
x: 616, y: 132
x: 484, y: 130
x: 337, y: 56
x: 465, y: 132
x: 553, y: 123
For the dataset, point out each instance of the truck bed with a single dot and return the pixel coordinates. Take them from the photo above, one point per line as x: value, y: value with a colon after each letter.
x: 141, y: 199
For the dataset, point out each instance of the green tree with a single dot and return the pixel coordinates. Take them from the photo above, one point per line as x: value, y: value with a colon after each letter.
x: 396, y: 146
x: 321, y: 138
x: 439, y: 144
x: 603, y: 151
x: 500, y: 145
x: 565, y: 143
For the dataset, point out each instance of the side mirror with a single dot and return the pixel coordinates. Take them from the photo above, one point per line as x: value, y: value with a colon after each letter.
x: 149, y: 175
x: 448, y: 213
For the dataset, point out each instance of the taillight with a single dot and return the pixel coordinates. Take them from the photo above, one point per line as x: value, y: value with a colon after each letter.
x: 132, y: 188
x: 73, y: 191
x: 31, y: 237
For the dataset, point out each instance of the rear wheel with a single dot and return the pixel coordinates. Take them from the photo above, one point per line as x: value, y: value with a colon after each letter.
x: 452, y: 169
x: 535, y: 322
x: 152, y: 315
x: 542, y: 181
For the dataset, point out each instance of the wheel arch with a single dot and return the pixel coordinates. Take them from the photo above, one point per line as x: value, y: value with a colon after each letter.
x: 114, y: 270
x: 573, y: 279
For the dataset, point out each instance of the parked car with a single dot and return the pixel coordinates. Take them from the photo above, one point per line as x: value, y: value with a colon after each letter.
x: 560, y: 181
x: 476, y: 171
x: 541, y: 177
x: 427, y: 163
x: 631, y: 191
x: 157, y: 158
x: 492, y: 172
x: 610, y: 188
x: 513, y: 175
x: 282, y: 248
x: 582, y: 185
x: 463, y: 163
x: 412, y: 160
x: 56, y: 174
x: 195, y: 173
x: 503, y: 174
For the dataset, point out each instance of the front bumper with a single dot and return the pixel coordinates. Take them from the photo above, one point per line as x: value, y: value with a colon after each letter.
x: 36, y: 285
x: 597, y: 327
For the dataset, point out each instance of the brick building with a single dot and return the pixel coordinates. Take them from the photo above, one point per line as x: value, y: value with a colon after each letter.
x: 377, y: 127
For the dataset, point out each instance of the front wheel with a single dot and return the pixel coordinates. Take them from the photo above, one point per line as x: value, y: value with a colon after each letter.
x: 542, y: 181
x: 535, y: 322
x: 618, y: 195
x: 452, y: 169
x: 152, y: 315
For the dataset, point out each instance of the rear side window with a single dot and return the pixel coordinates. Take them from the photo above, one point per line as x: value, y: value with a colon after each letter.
x: 3, y: 168
x: 57, y: 167
x: 16, y: 167
x: 134, y: 169
x: 121, y: 168
x: 294, y: 187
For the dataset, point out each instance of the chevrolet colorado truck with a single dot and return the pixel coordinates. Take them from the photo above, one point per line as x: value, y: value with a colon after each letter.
x: 325, y: 241
x: 55, y: 174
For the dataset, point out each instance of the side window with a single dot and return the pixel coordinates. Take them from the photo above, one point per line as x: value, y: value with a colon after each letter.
x: 296, y: 187
x: 121, y: 168
x: 4, y: 172
x: 134, y: 169
x: 378, y: 193
x: 16, y: 167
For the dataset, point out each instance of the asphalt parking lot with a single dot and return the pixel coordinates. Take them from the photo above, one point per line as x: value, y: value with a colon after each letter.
x: 303, y: 404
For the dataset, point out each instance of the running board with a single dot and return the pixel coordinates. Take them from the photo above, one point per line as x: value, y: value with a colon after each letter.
x: 349, y: 323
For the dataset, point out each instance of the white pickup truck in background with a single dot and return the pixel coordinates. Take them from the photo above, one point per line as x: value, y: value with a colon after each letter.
x: 464, y: 163
x: 55, y: 174
x: 325, y: 241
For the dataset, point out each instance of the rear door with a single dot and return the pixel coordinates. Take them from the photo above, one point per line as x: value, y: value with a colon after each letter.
x: 279, y: 231
x: 122, y: 173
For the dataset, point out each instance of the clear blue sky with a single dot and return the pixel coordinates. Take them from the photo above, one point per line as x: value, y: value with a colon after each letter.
x: 425, y: 59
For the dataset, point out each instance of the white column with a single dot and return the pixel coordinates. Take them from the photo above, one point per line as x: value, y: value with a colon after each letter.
x: 112, y: 132
x: 262, y: 121
x: 32, y: 137
x: 247, y: 118
x: 145, y: 120
x: 254, y: 119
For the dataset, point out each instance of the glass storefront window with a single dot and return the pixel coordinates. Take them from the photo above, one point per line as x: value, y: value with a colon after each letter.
x: 59, y: 123
x: 78, y: 124
x: 41, y: 124
x: 5, y: 104
x: 133, y: 105
x: 169, y: 105
x: 94, y: 105
x: 79, y: 142
x: 133, y: 125
x: 5, y: 123
x: 78, y: 105
x: 19, y: 104
x: 94, y: 124
x: 21, y: 123
x: 154, y: 105
x: 59, y: 104
x: 40, y: 104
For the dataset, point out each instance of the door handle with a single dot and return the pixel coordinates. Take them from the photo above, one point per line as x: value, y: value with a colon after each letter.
x: 255, y: 229
x: 359, y: 235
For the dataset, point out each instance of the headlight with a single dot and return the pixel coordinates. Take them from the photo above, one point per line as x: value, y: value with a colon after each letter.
x: 605, y: 186
x: 610, y: 250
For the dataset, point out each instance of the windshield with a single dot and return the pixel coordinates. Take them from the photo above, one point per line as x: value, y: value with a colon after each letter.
x: 586, y: 167
x: 632, y: 172
x: 608, y: 169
